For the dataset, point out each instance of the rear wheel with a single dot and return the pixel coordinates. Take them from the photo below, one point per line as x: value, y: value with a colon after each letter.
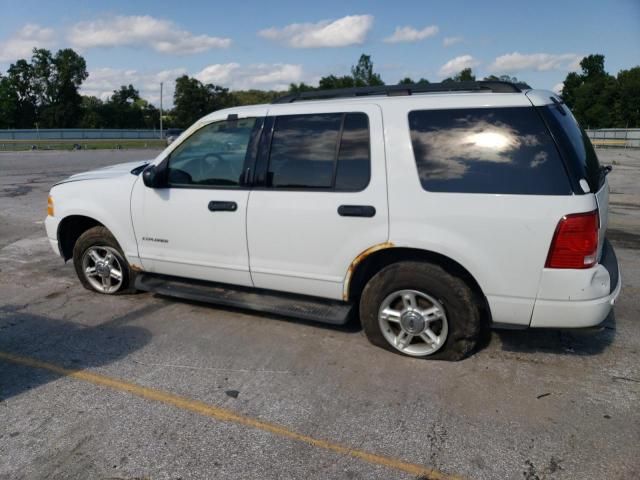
x: 421, y: 310
x: 100, y: 263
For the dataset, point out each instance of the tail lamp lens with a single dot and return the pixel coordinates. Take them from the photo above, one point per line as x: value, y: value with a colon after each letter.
x: 575, y: 242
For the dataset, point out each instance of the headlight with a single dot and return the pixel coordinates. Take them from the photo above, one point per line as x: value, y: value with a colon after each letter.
x: 50, y: 206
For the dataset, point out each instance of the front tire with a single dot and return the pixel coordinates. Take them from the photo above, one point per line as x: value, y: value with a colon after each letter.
x: 100, y: 264
x: 420, y: 310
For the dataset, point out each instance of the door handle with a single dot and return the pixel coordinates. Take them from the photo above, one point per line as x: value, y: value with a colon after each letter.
x: 356, y: 211
x: 222, y: 206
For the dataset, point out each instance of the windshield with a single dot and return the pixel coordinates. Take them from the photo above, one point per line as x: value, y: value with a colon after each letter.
x: 574, y: 144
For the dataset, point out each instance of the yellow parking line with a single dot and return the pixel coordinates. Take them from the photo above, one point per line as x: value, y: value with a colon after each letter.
x: 225, y: 415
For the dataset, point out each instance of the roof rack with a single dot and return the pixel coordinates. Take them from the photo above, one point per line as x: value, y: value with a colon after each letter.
x: 407, y: 89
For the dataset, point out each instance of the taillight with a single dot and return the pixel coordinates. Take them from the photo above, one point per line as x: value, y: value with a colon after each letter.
x: 575, y: 243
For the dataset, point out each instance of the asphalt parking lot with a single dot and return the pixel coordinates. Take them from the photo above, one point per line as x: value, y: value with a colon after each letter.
x: 141, y: 386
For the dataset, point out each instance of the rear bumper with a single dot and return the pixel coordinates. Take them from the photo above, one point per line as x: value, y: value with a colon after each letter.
x: 578, y: 298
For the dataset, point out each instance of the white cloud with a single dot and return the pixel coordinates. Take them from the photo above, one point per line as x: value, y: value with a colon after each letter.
x: 557, y: 88
x: 457, y: 64
x: 410, y: 34
x: 218, y: 74
x: 275, y: 76
x: 161, y: 35
x: 103, y: 81
x: 22, y: 43
x: 540, y: 62
x: 449, y: 41
x: 349, y: 30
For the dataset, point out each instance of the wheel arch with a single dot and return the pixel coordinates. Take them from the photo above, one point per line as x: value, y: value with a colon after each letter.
x: 69, y: 230
x: 374, y: 259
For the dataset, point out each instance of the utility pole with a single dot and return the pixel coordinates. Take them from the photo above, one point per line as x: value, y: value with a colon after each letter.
x: 160, y: 110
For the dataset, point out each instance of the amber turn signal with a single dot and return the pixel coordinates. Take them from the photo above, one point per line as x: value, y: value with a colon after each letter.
x: 50, y: 206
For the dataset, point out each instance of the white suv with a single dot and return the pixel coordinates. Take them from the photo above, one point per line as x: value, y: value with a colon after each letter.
x: 428, y: 210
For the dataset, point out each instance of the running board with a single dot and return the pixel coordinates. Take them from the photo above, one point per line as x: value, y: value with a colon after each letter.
x: 265, y: 301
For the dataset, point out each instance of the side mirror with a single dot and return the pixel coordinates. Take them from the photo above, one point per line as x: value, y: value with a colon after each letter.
x: 153, y: 177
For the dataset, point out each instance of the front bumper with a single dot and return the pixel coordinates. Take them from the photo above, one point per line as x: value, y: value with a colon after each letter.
x: 578, y: 298
x: 51, y: 225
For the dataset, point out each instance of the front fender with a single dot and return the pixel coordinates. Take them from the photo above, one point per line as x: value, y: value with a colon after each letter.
x: 107, y: 201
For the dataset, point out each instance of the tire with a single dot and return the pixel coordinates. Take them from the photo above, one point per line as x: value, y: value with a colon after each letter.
x: 100, y: 241
x: 428, y: 297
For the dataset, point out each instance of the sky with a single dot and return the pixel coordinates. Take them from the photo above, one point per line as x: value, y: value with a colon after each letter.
x: 268, y: 45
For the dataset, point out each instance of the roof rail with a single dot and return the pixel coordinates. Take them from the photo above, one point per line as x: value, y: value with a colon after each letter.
x: 407, y: 89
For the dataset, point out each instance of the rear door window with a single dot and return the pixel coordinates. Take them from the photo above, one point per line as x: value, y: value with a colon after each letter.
x: 328, y: 151
x: 486, y: 150
x: 303, y: 151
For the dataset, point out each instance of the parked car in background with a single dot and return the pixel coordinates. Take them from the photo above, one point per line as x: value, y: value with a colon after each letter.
x: 172, y: 134
x: 425, y: 210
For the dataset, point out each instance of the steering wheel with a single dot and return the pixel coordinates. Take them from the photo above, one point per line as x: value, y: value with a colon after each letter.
x: 205, y: 160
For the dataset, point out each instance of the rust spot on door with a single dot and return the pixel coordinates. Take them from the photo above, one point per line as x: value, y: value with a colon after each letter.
x: 357, y: 261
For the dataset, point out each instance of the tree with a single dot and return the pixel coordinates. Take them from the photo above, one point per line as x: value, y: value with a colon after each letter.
x: 57, y: 79
x: 331, y: 81
x: 465, y: 75
x: 193, y: 99
x: 627, y: 106
x: 502, y: 78
x: 46, y: 89
x: 592, y: 93
x: 20, y: 76
x: 300, y: 87
x: 363, y: 74
x: 253, y: 97
x: 8, y: 103
x: 409, y: 81
x: 92, y: 113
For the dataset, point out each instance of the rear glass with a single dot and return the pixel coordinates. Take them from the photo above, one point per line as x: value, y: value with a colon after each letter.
x: 486, y: 150
x: 574, y: 144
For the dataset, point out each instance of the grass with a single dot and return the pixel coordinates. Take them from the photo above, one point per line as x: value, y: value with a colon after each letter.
x: 111, y: 144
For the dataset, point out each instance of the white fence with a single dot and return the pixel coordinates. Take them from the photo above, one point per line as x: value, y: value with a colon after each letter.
x: 615, y: 137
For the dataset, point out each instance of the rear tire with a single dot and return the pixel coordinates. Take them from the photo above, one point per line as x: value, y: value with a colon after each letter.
x: 100, y: 264
x: 421, y: 310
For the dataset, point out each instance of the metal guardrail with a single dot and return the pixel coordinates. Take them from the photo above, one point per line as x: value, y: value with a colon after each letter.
x: 78, y: 134
x: 615, y: 137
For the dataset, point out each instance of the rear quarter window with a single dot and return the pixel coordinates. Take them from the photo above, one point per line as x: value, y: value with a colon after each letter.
x: 574, y: 144
x: 486, y: 150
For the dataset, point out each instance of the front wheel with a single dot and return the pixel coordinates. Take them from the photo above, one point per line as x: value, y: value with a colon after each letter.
x: 421, y: 310
x: 99, y: 262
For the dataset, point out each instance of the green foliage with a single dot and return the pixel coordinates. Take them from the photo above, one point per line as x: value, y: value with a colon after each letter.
x: 21, y: 81
x: 124, y: 109
x: 502, y: 78
x: 600, y: 100
x: 43, y: 91
x: 193, y: 100
x: 627, y: 105
x: 331, y: 81
x: 299, y: 87
x: 410, y: 81
x: 465, y: 75
x: 8, y: 103
x: 254, y: 97
x: 363, y: 74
